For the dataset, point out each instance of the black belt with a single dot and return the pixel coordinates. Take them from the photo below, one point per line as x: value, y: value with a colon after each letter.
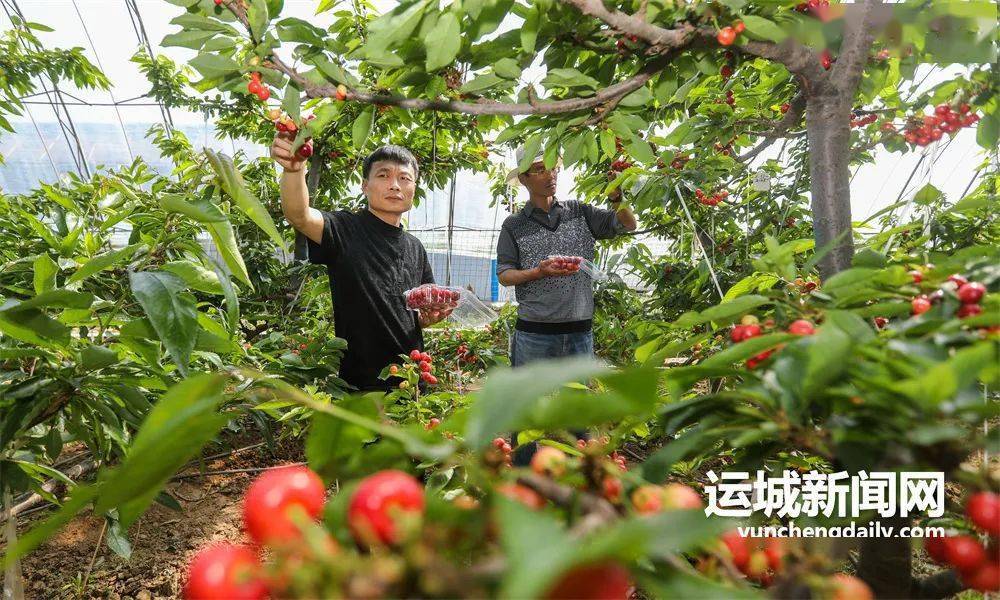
x: 583, y: 326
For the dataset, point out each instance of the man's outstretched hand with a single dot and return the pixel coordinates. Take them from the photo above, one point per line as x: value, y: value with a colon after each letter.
x: 548, y: 268
x: 281, y: 152
x: 428, y: 316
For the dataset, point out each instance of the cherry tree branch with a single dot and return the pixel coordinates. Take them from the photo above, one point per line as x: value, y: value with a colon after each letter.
x: 660, y: 38
x: 483, y: 106
x: 796, y: 109
x: 859, y: 35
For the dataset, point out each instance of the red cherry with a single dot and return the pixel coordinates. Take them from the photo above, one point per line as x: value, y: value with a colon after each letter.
x: 931, y: 121
x: 983, y: 509
x: 425, y: 366
x: 522, y: 494
x: 549, y: 461
x: 957, y: 279
x: 888, y: 126
x: 920, y: 305
x: 784, y: 107
x: 985, y: 579
x: 341, y: 93
x: 972, y: 292
x: 434, y: 422
x: 431, y: 379
x: 848, y: 587
x: 499, y: 442
x: 936, y: 134
x: 965, y: 553
x: 726, y: 36
x: 738, y: 550
x: 801, y: 327
x: 382, y: 504
x: 647, y: 499
x: 964, y: 108
x: 268, y: 504
x: 677, y: 496
x: 826, y: 59
x: 601, y: 581
x: 726, y: 72
x: 774, y: 550
x: 425, y: 356
x: 881, y: 322
x: 264, y: 93
x: 753, y: 362
x: 254, y: 87
x: 225, y: 571
x: 305, y: 150
x: 739, y: 27
x: 969, y: 310
x: 942, y: 109
x: 218, y: 2
x: 937, y: 549
x: 415, y: 355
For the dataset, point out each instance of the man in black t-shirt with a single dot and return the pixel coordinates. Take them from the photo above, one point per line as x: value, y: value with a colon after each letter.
x: 370, y: 259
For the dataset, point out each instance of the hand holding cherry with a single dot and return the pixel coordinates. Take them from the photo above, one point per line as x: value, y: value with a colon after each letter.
x: 559, y: 266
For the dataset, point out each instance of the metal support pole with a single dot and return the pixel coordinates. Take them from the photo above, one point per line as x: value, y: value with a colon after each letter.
x: 140, y: 33
x: 451, y: 230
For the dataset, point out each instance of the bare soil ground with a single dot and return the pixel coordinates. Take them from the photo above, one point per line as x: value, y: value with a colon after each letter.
x: 163, y: 540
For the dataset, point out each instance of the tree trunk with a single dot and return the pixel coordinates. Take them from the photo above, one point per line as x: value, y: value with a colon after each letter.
x: 829, y: 135
x: 885, y: 562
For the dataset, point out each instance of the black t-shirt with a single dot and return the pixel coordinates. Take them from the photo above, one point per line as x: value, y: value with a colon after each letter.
x: 371, y: 263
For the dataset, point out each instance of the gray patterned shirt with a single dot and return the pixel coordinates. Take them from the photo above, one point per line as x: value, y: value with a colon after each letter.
x: 532, y: 235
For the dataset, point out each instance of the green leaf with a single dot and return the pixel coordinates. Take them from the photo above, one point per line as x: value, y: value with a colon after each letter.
x: 102, y: 262
x: 639, y: 149
x: 53, y: 299
x: 396, y: 25
x: 232, y: 301
x: 927, y: 195
x: 172, y: 312
x: 118, y: 539
x: 510, y: 394
x: 45, y: 271
x: 988, y: 131
x: 943, y: 381
x: 443, y: 42
x: 225, y: 240
x: 334, y: 72
x: 257, y: 14
x: 214, y: 66
x: 183, y: 420
x: 568, y: 78
x: 746, y: 349
x: 507, y: 68
x: 233, y: 183
x: 751, y: 283
x: 483, y: 82
x: 93, y: 358
x: 337, y: 449
x: 297, y: 30
x: 201, y: 210
x: 188, y: 39
x: 195, y: 276
x: 537, y: 549
x: 34, y: 327
x: 722, y: 313
x: 691, y: 585
x: 529, y: 29
x: 763, y: 29
x: 608, y: 143
x: 362, y: 128
x: 291, y: 104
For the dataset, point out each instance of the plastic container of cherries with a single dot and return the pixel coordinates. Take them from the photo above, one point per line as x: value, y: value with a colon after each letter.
x: 468, y: 311
x: 578, y: 263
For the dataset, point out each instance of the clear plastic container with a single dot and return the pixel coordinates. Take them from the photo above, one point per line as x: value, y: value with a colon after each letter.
x: 578, y: 263
x: 468, y: 311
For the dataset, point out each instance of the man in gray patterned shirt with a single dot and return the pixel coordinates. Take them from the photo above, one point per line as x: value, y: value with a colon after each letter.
x: 555, y: 306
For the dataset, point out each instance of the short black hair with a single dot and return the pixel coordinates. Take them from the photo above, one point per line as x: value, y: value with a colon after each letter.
x: 391, y: 153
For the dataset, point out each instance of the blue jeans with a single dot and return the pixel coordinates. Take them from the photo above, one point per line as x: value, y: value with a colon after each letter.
x: 526, y: 348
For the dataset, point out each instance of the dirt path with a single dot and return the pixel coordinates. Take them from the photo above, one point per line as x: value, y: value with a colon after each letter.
x: 163, y: 540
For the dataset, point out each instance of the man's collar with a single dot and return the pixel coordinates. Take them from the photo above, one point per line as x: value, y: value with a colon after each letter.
x: 529, y: 207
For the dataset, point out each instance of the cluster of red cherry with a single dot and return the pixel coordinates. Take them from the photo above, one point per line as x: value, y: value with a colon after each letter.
x: 712, y: 200
x: 968, y: 293
x: 922, y: 130
x: 567, y: 263
x: 257, y: 88
x: 432, y: 297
